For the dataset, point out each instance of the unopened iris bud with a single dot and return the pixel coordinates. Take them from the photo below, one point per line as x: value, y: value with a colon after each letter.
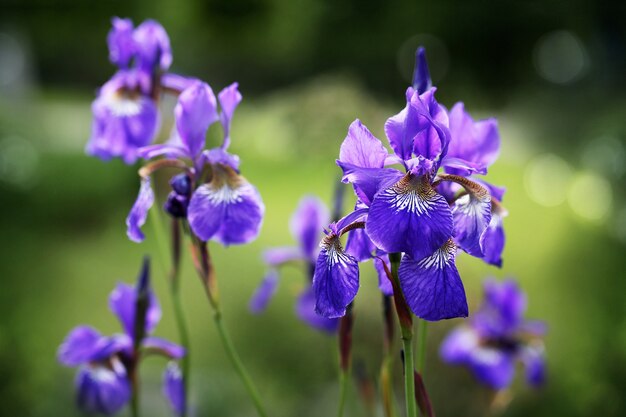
x: 421, y: 74
x: 181, y: 184
x: 176, y: 205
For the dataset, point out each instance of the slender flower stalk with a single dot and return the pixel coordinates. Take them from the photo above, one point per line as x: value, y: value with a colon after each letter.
x: 345, y: 356
x: 386, y: 381
x: 204, y: 265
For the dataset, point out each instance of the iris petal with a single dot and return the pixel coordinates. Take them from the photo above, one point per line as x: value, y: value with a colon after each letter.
x: 307, y: 224
x: 264, y: 292
x: 409, y: 217
x: 101, y: 389
x: 361, y: 148
x: 195, y: 111
x: 165, y: 347
x: 458, y: 345
x: 174, y: 388
x: 492, y: 367
x: 336, y: 279
x: 472, y: 215
x: 229, y: 209
x: 122, y: 303
x: 305, y: 309
x: 139, y: 212
x: 432, y: 286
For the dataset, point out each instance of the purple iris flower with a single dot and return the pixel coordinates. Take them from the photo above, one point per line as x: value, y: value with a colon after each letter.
x: 106, y: 363
x: 306, y: 226
x: 225, y: 208
x: 125, y: 112
x: 497, y: 337
x: 406, y: 205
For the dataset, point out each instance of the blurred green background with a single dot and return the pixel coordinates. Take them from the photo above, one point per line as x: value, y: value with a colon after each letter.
x: 553, y: 72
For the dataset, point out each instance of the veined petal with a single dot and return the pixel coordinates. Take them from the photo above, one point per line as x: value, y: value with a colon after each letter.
x: 165, y: 347
x: 492, y: 367
x: 229, y: 98
x: 336, y: 279
x: 307, y: 224
x: 102, y: 389
x: 305, y: 309
x: 79, y: 346
x: 432, y: 286
x: 458, y: 346
x: 411, y: 217
x: 362, y: 149
x: 472, y: 215
x: 122, y: 302
x: 139, y: 212
x: 174, y: 388
x: 228, y: 209
x: 264, y: 292
x: 360, y: 245
x: 195, y: 112
x: 368, y: 181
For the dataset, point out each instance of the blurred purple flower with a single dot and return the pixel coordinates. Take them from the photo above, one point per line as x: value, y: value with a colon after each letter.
x: 105, y: 362
x: 306, y: 226
x: 497, y: 337
x: 414, y: 211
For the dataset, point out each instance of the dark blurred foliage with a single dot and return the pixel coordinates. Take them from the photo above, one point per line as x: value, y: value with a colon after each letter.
x: 271, y: 43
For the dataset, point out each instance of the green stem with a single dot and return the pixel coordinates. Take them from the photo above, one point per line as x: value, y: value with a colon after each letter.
x: 409, y: 378
x: 134, y: 401
x: 343, y: 389
x: 239, y: 367
x: 406, y: 327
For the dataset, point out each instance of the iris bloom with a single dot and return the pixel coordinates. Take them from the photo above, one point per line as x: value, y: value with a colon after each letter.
x: 420, y: 200
x: 497, y: 337
x: 106, y: 363
x: 217, y: 201
x: 125, y: 112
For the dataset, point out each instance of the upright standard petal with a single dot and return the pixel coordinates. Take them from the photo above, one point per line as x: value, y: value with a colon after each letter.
x: 410, y: 217
x: 475, y: 142
x: 228, y: 209
x: 305, y: 309
x: 264, y: 292
x: 139, y: 212
x: 402, y: 128
x: 174, y: 388
x: 432, y: 286
x: 307, y: 224
x: 79, y: 346
x: 102, y: 389
x: 120, y: 42
x: 229, y: 98
x: 153, y: 46
x: 195, y: 111
x: 336, y: 279
x: 361, y: 148
x: 431, y: 139
x: 122, y: 302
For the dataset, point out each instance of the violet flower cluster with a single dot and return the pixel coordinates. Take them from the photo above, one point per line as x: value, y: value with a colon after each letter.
x: 108, y: 364
x: 422, y: 200
x: 497, y: 337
